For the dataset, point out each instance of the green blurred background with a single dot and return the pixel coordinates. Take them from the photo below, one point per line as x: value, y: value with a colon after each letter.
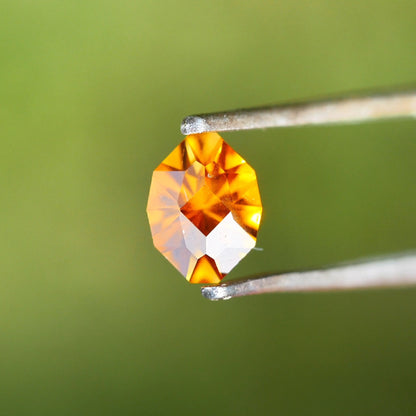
x: 93, y: 320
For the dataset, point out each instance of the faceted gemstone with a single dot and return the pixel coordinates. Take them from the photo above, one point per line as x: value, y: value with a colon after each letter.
x: 204, y: 208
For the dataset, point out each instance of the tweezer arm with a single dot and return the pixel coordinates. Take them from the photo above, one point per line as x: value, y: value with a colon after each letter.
x: 339, y: 110
x: 399, y: 271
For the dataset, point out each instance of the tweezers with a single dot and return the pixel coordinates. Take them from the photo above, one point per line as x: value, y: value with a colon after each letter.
x: 353, y: 108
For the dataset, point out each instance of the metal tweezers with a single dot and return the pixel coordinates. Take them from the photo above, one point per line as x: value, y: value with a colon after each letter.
x: 386, y: 272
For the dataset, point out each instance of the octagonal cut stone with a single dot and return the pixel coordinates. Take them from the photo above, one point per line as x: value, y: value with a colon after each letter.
x: 204, y: 208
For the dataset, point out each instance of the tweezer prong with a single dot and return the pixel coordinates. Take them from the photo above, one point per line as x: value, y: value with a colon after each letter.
x: 388, y: 272
x: 352, y: 109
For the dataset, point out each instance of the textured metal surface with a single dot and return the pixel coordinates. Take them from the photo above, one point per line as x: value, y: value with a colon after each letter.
x: 390, y: 272
x: 339, y: 110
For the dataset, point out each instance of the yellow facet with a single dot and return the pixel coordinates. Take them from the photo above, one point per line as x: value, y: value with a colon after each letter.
x: 204, y: 208
x: 205, y: 271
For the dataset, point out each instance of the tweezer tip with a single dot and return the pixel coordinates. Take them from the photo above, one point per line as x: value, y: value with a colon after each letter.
x: 193, y: 125
x: 215, y: 293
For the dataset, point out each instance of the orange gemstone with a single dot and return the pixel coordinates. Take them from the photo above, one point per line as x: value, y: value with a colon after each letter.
x: 204, y: 208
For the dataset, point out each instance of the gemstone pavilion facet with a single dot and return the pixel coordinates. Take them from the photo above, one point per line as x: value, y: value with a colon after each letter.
x: 204, y: 208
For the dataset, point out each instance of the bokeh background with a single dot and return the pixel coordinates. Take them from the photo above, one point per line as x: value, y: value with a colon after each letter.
x: 93, y: 320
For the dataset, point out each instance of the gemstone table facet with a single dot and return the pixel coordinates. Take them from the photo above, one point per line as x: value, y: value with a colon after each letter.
x: 204, y: 208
